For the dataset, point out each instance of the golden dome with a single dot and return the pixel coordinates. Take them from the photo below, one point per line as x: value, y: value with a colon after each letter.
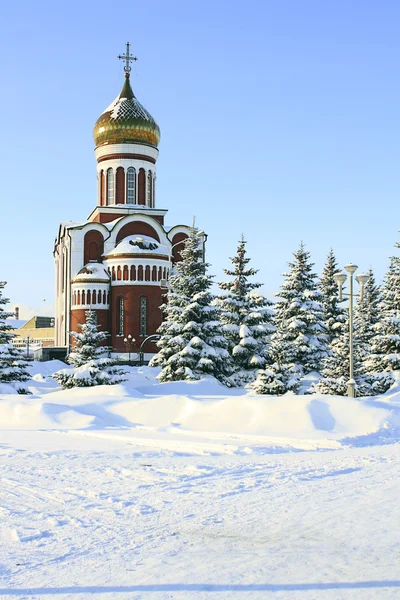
x: 125, y: 121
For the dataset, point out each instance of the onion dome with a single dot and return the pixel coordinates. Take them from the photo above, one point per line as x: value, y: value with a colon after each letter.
x: 126, y: 121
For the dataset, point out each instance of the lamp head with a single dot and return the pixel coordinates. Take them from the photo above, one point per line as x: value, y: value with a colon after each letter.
x: 129, y: 336
x: 362, y: 280
x: 125, y: 341
x: 340, y: 278
x: 350, y: 268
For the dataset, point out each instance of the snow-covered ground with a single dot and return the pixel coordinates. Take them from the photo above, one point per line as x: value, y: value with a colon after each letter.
x: 189, y: 490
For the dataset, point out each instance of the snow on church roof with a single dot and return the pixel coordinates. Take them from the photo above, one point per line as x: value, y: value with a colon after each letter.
x: 138, y: 244
x: 92, y: 272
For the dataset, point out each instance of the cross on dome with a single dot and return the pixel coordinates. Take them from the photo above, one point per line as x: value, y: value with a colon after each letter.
x: 127, y: 58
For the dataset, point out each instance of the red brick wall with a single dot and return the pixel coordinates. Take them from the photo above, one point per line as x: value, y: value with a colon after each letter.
x: 132, y: 296
x: 78, y: 317
x: 94, y: 246
x: 120, y: 186
x: 137, y: 227
x: 178, y: 237
x: 142, y: 187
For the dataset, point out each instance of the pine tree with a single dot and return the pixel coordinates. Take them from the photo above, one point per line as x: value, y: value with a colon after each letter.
x: 385, y: 345
x: 367, y: 316
x: 12, y: 365
x: 300, y: 337
x: 335, y: 315
x: 336, y: 367
x: 91, y: 365
x: 246, y: 317
x: 191, y: 343
x: 299, y: 344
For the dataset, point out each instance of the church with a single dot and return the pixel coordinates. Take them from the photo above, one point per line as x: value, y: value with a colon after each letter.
x: 118, y: 261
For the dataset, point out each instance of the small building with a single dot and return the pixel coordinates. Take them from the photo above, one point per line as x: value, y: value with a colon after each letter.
x: 36, y: 333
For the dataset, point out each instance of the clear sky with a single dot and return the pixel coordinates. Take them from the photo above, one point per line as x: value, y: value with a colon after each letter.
x: 279, y: 119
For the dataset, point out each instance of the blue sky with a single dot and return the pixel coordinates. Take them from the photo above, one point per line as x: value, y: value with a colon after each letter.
x: 279, y: 119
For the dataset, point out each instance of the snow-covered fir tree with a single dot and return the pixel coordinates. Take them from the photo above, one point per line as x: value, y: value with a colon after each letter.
x: 336, y: 367
x: 91, y: 364
x: 367, y: 316
x: 335, y: 315
x: 385, y: 345
x: 299, y: 344
x: 246, y: 317
x: 13, y: 367
x: 192, y: 343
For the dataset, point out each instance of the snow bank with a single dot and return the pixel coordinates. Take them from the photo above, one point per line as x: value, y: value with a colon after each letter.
x: 142, y: 406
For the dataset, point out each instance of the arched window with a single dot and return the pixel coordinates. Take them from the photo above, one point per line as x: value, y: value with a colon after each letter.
x: 79, y: 296
x: 99, y: 297
x: 147, y: 273
x: 94, y: 297
x: 126, y: 273
x: 149, y: 188
x: 105, y: 298
x: 119, y: 273
x: 113, y: 274
x: 143, y: 316
x: 159, y: 273
x: 154, y: 274
x: 120, y: 315
x: 83, y: 297
x: 74, y: 297
x: 130, y: 185
x: 110, y: 187
x: 89, y: 297
x: 133, y: 273
x: 140, y: 273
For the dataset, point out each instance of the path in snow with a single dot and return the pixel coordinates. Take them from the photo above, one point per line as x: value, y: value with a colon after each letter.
x: 87, y: 517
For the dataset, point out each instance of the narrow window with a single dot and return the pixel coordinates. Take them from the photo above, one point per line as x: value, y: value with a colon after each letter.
x: 99, y: 297
x: 126, y: 273
x: 147, y: 273
x: 130, y: 186
x: 120, y: 316
x: 94, y: 297
x: 153, y: 200
x: 143, y: 316
x: 110, y: 187
x: 83, y: 297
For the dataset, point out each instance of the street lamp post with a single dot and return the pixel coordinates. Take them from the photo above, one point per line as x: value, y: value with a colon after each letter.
x: 362, y: 279
x: 129, y: 341
x: 27, y: 340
